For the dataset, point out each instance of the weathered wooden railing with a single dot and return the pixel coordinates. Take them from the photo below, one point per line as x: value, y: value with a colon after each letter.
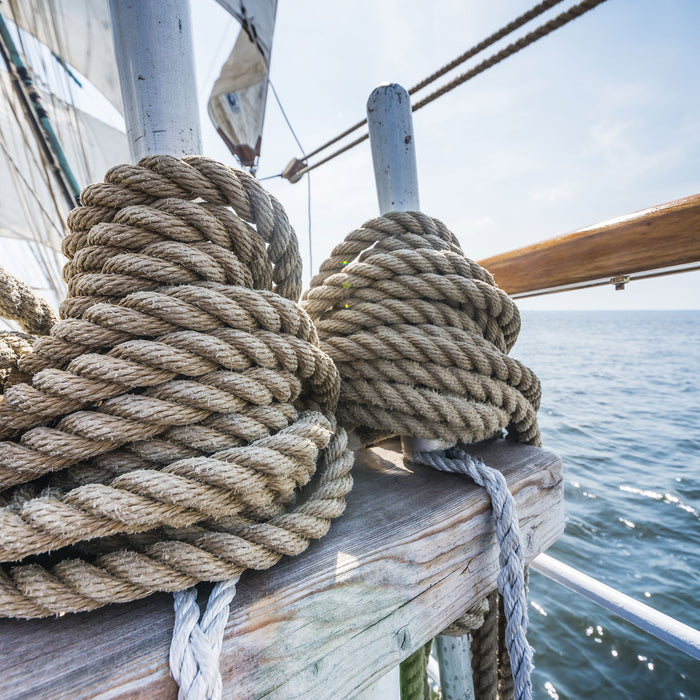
x: 414, y: 550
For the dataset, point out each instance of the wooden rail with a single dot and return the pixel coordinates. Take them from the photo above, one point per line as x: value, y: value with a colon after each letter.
x: 413, y: 551
x: 663, y: 236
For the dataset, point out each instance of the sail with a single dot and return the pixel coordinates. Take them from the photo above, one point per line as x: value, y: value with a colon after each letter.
x: 237, y: 101
x: 31, y: 210
x: 79, y: 32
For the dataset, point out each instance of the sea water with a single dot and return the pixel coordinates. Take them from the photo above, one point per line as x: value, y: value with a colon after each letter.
x: 621, y: 405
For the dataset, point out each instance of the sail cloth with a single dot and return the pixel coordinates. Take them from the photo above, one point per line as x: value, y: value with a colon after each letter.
x: 30, y: 211
x: 237, y: 101
x: 79, y: 31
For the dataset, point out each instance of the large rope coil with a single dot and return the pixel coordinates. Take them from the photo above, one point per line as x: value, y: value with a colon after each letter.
x: 420, y: 334
x: 179, y: 405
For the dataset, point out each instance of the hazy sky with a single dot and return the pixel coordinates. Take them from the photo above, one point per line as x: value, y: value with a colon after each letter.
x: 597, y: 120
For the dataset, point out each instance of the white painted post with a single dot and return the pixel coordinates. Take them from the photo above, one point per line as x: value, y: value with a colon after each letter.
x: 454, y: 660
x: 393, y: 145
x: 153, y: 45
x: 390, y: 122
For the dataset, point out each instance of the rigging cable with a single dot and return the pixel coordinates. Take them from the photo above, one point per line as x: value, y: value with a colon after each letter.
x: 37, y: 115
x: 308, y: 177
x: 470, y: 53
x: 530, y: 38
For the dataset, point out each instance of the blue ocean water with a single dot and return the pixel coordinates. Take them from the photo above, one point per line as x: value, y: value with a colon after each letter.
x: 621, y: 405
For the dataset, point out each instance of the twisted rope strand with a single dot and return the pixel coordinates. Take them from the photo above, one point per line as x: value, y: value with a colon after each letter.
x: 19, y: 302
x: 511, y: 578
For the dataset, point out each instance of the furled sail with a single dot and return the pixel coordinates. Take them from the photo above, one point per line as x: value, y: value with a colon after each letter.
x: 237, y: 102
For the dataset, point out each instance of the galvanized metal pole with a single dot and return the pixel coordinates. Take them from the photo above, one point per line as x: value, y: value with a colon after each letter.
x: 153, y: 45
x: 393, y: 148
x: 390, y: 122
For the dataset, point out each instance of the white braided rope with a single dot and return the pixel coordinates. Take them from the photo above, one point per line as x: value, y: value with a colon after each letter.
x: 196, y: 646
x: 511, y: 579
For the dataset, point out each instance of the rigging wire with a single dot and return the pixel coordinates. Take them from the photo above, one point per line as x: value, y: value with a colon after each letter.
x: 513, y: 48
x: 470, y: 53
x: 607, y: 282
x: 308, y: 177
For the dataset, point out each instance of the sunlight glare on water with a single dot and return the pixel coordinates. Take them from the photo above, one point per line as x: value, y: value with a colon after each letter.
x: 621, y: 406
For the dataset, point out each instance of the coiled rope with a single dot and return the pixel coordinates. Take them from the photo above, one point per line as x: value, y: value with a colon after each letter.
x: 420, y: 335
x: 178, y: 406
x: 18, y: 302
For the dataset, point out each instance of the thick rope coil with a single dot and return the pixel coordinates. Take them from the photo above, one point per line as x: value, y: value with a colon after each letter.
x: 19, y: 302
x: 178, y: 406
x: 420, y: 335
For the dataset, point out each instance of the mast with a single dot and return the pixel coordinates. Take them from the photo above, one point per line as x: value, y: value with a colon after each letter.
x: 37, y: 117
x: 153, y: 45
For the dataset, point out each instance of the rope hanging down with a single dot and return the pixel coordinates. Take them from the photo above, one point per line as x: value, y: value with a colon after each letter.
x: 179, y: 405
x: 420, y: 335
x: 296, y: 168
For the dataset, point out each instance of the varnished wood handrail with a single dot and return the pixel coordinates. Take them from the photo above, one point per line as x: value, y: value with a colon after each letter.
x: 652, y: 239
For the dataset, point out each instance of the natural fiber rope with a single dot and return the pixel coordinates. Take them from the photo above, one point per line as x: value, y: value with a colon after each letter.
x: 19, y: 302
x: 13, y: 345
x: 420, y: 335
x: 469, y: 621
x: 484, y: 653
x: 413, y: 676
x: 183, y: 397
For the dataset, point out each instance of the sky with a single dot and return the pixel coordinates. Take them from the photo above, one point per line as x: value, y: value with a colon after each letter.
x: 597, y: 120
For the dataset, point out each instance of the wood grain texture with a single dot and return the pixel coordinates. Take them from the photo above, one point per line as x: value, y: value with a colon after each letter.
x: 414, y: 550
x: 655, y: 238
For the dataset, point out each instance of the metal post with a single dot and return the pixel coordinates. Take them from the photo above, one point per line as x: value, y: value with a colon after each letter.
x: 390, y: 122
x: 393, y: 145
x: 393, y: 148
x: 153, y: 45
x: 454, y: 660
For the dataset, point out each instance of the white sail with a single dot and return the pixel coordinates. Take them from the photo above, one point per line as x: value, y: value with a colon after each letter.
x: 237, y: 102
x: 79, y: 32
x: 32, y: 211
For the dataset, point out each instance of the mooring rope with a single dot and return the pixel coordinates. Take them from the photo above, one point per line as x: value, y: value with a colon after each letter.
x: 420, y: 335
x: 176, y: 408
